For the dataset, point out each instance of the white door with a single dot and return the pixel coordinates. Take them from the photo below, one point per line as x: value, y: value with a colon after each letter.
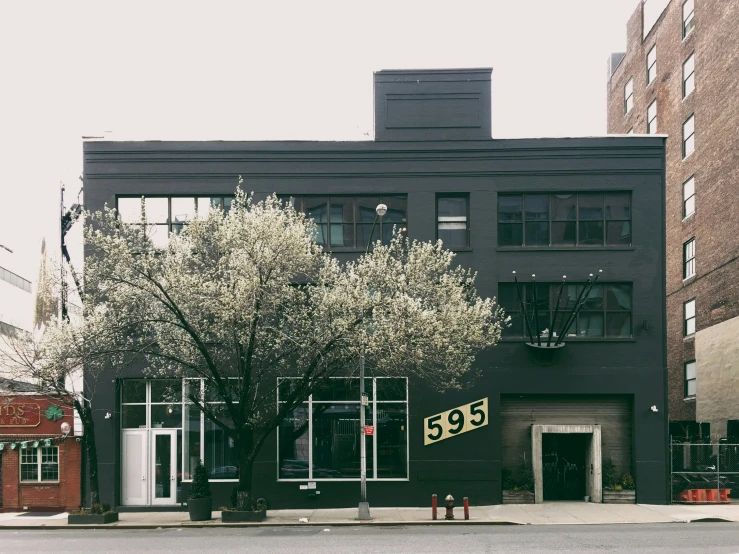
x: 135, y: 467
x: 163, y: 467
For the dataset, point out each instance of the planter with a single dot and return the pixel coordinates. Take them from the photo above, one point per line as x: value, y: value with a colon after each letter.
x: 518, y: 497
x: 200, y: 508
x: 619, y: 497
x: 92, y: 519
x: 233, y: 516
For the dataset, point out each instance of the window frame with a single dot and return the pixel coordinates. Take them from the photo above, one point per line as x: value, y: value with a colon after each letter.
x: 688, y: 380
x: 39, y: 464
x: 687, y: 319
x: 691, y: 119
x: 653, y: 119
x: 689, y: 19
x: 373, y: 403
x: 628, y: 98
x: 551, y: 220
x: 689, y: 259
x: 652, y: 66
x: 692, y: 74
x: 466, y: 197
x: 15, y: 280
x: 687, y: 214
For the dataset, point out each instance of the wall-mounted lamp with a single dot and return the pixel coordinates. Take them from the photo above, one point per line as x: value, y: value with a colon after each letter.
x: 654, y: 409
x: 108, y: 415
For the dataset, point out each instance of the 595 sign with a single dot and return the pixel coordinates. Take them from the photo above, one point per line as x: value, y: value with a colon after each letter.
x: 455, y: 421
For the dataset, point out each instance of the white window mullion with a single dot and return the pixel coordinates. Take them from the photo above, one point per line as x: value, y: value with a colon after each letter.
x: 202, y: 422
x: 374, y: 425
x: 310, y: 437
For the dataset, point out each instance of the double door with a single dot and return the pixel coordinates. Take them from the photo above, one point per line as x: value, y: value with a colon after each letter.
x: 149, y: 469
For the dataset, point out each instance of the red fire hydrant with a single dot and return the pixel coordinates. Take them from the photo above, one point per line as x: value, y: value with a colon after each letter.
x: 449, y: 507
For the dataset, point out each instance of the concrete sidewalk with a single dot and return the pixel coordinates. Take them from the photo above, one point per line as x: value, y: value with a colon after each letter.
x: 552, y: 513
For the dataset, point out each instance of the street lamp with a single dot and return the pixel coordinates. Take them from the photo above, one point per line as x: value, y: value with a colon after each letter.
x: 364, y: 509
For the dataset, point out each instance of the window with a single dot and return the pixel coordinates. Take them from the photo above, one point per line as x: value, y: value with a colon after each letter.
x: 652, y: 118
x: 689, y: 75
x: 652, y: 64
x: 606, y: 311
x: 15, y: 280
x: 688, y: 136
x: 40, y: 464
x: 321, y: 438
x: 628, y: 96
x: 564, y: 219
x: 689, y: 259
x: 688, y: 17
x: 689, y: 197
x: 690, y: 388
x: 346, y: 222
x: 453, y: 223
x: 166, y: 215
x: 689, y: 318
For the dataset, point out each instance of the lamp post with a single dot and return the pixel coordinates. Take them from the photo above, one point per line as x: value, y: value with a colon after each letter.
x: 364, y: 510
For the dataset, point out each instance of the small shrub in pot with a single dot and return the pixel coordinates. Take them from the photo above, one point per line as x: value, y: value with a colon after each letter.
x: 199, y: 498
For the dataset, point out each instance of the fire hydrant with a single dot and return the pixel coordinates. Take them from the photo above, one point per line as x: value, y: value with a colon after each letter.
x: 449, y: 507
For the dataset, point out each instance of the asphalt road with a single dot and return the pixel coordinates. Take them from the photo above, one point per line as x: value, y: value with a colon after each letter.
x: 668, y: 537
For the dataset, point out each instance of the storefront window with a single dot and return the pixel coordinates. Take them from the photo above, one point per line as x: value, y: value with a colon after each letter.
x: 321, y: 438
x: 40, y: 464
x: 221, y: 459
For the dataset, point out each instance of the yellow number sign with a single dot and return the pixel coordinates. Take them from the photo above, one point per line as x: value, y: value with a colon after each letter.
x: 455, y: 421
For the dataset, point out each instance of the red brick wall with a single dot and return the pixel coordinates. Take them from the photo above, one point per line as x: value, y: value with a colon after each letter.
x: 64, y: 494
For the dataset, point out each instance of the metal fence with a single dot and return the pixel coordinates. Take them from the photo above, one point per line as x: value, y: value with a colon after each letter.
x: 704, y: 473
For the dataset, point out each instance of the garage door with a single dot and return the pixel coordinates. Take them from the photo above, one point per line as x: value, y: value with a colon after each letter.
x: 612, y: 413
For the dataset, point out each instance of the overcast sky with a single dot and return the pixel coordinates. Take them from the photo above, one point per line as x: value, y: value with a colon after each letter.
x: 254, y: 70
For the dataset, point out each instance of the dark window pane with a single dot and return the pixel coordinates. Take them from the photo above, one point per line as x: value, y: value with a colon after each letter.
x: 221, y: 458
x: 510, y: 207
x: 396, y: 210
x: 336, y: 441
x: 316, y: 208
x: 366, y: 206
x: 166, y: 390
x: 618, y: 206
x: 563, y: 207
x: 452, y: 207
x: 508, y: 296
x: 510, y: 234
x: 537, y: 207
x: 342, y: 236
x: 387, y: 231
x: 363, y: 235
x: 591, y: 232
x: 294, y: 445
x: 342, y: 389
x: 191, y: 440
x: 321, y: 234
x: 227, y: 201
x: 133, y: 417
x: 453, y: 237
x: 618, y: 324
x: 591, y: 206
x: 591, y: 324
x: 594, y: 299
x: 392, y: 441
x: 618, y: 232
x: 618, y: 297
x: 134, y: 391
x: 542, y: 296
x: 341, y: 209
x: 559, y: 324
x: 563, y: 232
x: 166, y: 416
x: 537, y: 233
x: 516, y: 328
x: 391, y: 389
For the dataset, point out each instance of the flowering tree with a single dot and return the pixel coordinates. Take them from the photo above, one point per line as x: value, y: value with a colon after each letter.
x: 241, y: 299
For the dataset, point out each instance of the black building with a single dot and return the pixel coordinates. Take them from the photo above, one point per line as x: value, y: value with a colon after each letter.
x: 549, y: 207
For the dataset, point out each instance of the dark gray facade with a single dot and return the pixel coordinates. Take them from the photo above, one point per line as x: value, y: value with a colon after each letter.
x: 423, y: 158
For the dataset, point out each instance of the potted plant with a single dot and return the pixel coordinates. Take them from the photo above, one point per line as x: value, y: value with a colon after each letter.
x: 230, y: 513
x: 617, y: 491
x: 199, y: 499
x: 98, y: 514
x: 519, y: 489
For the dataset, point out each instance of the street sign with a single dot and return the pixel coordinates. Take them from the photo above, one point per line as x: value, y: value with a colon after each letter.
x: 365, y: 400
x: 369, y: 430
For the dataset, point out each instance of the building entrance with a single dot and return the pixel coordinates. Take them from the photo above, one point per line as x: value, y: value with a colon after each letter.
x: 563, y: 465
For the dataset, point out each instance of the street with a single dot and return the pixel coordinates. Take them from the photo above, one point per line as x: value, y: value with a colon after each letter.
x: 691, y: 537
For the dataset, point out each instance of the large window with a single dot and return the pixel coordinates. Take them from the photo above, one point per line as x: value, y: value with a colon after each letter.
x: 690, y: 386
x: 689, y: 197
x: 606, y: 311
x: 15, y: 280
x: 688, y: 17
x: 564, y: 219
x: 453, y: 223
x: 321, y: 438
x: 166, y: 215
x: 652, y: 64
x: 689, y: 259
x: 628, y: 96
x: 652, y: 118
x: 40, y: 464
x: 689, y: 318
x: 689, y: 75
x: 345, y: 222
x: 688, y: 136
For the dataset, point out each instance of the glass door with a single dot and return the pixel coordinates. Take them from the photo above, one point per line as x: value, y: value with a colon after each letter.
x: 163, y: 467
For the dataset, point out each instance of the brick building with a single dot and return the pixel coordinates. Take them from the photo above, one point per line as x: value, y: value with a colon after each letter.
x: 678, y: 77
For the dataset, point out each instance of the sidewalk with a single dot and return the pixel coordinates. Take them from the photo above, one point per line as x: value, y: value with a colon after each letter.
x: 553, y: 513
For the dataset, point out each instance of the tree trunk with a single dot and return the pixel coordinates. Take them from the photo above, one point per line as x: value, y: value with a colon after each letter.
x: 92, y: 453
x: 244, y: 444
